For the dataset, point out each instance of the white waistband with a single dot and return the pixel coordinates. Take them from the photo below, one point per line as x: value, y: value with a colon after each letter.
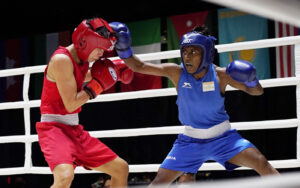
x: 68, y: 119
x: 212, y: 132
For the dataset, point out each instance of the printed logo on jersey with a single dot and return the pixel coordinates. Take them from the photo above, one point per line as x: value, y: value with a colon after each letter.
x: 171, y: 157
x: 208, y: 86
x: 112, y: 73
x: 186, y: 85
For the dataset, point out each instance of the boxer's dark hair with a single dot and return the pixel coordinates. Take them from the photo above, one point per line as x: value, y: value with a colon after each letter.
x: 103, y: 31
x: 203, y: 30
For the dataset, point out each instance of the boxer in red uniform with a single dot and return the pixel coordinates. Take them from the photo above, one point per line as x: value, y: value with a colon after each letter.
x: 63, y: 141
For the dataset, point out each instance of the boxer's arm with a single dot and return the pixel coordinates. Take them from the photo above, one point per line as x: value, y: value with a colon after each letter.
x: 169, y: 70
x: 255, y: 91
x: 88, y: 76
x: 225, y: 79
x: 123, y: 47
x: 61, y: 70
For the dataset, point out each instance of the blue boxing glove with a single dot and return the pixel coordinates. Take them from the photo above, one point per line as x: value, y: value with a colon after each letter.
x: 123, y: 45
x: 242, y: 71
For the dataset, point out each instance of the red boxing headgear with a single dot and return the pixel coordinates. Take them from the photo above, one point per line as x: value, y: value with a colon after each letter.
x: 92, y: 34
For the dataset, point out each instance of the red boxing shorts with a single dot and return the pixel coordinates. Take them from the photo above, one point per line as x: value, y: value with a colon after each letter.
x: 65, y: 144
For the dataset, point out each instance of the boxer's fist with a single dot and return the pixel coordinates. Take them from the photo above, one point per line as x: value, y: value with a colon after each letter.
x: 125, y: 74
x: 243, y: 71
x: 104, y: 76
x: 123, y: 45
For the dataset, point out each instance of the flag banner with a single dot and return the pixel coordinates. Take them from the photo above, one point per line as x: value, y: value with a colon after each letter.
x: 177, y: 26
x: 146, y: 38
x: 43, y: 47
x: 14, y: 54
x: 285, y: 57
x: 45, y: 44
x: 27, y: 51
x: 236, y: 26
x: 53, y: 40
x: 186, y: 22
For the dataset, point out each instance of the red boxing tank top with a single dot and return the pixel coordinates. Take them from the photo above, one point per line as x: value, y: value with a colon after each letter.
x: 51, y: 101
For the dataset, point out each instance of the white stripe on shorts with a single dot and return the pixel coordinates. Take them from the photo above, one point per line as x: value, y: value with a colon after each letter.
x: 212, y: 132
x: 68, y: 119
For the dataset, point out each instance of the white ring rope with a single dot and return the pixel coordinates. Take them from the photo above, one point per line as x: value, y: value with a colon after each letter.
x: 146, y: 94
x: 265, y: 43
x: 165, y: 130
x: 28, y: 139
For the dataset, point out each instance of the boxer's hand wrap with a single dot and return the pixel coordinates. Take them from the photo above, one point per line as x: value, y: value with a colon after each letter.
x: 93, y: 88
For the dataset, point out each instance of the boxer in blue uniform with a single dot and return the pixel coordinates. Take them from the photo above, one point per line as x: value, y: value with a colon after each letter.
x: 201, y: 87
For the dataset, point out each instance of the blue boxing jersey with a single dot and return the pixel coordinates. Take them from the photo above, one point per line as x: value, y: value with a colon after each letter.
x: 200, y: 103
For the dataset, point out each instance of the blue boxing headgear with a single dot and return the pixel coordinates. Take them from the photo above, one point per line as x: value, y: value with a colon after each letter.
x: 206, y: 43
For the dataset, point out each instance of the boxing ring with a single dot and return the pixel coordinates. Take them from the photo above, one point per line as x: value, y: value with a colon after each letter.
x: 27, y: 104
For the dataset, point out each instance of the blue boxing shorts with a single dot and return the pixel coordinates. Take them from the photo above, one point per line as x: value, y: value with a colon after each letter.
x: 188, y: 154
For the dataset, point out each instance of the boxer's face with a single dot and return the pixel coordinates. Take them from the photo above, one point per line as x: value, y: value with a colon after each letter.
x: 95, y: 54
x: 192, y: 56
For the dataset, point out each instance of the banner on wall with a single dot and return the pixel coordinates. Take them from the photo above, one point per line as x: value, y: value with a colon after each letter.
x: 43, y: 46
x: 14, y: 53
x: 46, y: 44
x: 177, y: 26
x: 146, y: 38
x: 285, y: 57
x: 236, y: 26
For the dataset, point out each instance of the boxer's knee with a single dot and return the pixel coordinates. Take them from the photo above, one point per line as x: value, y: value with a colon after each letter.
x: 263, y: 167
x: 122, y: 170
x: 63, y: 175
